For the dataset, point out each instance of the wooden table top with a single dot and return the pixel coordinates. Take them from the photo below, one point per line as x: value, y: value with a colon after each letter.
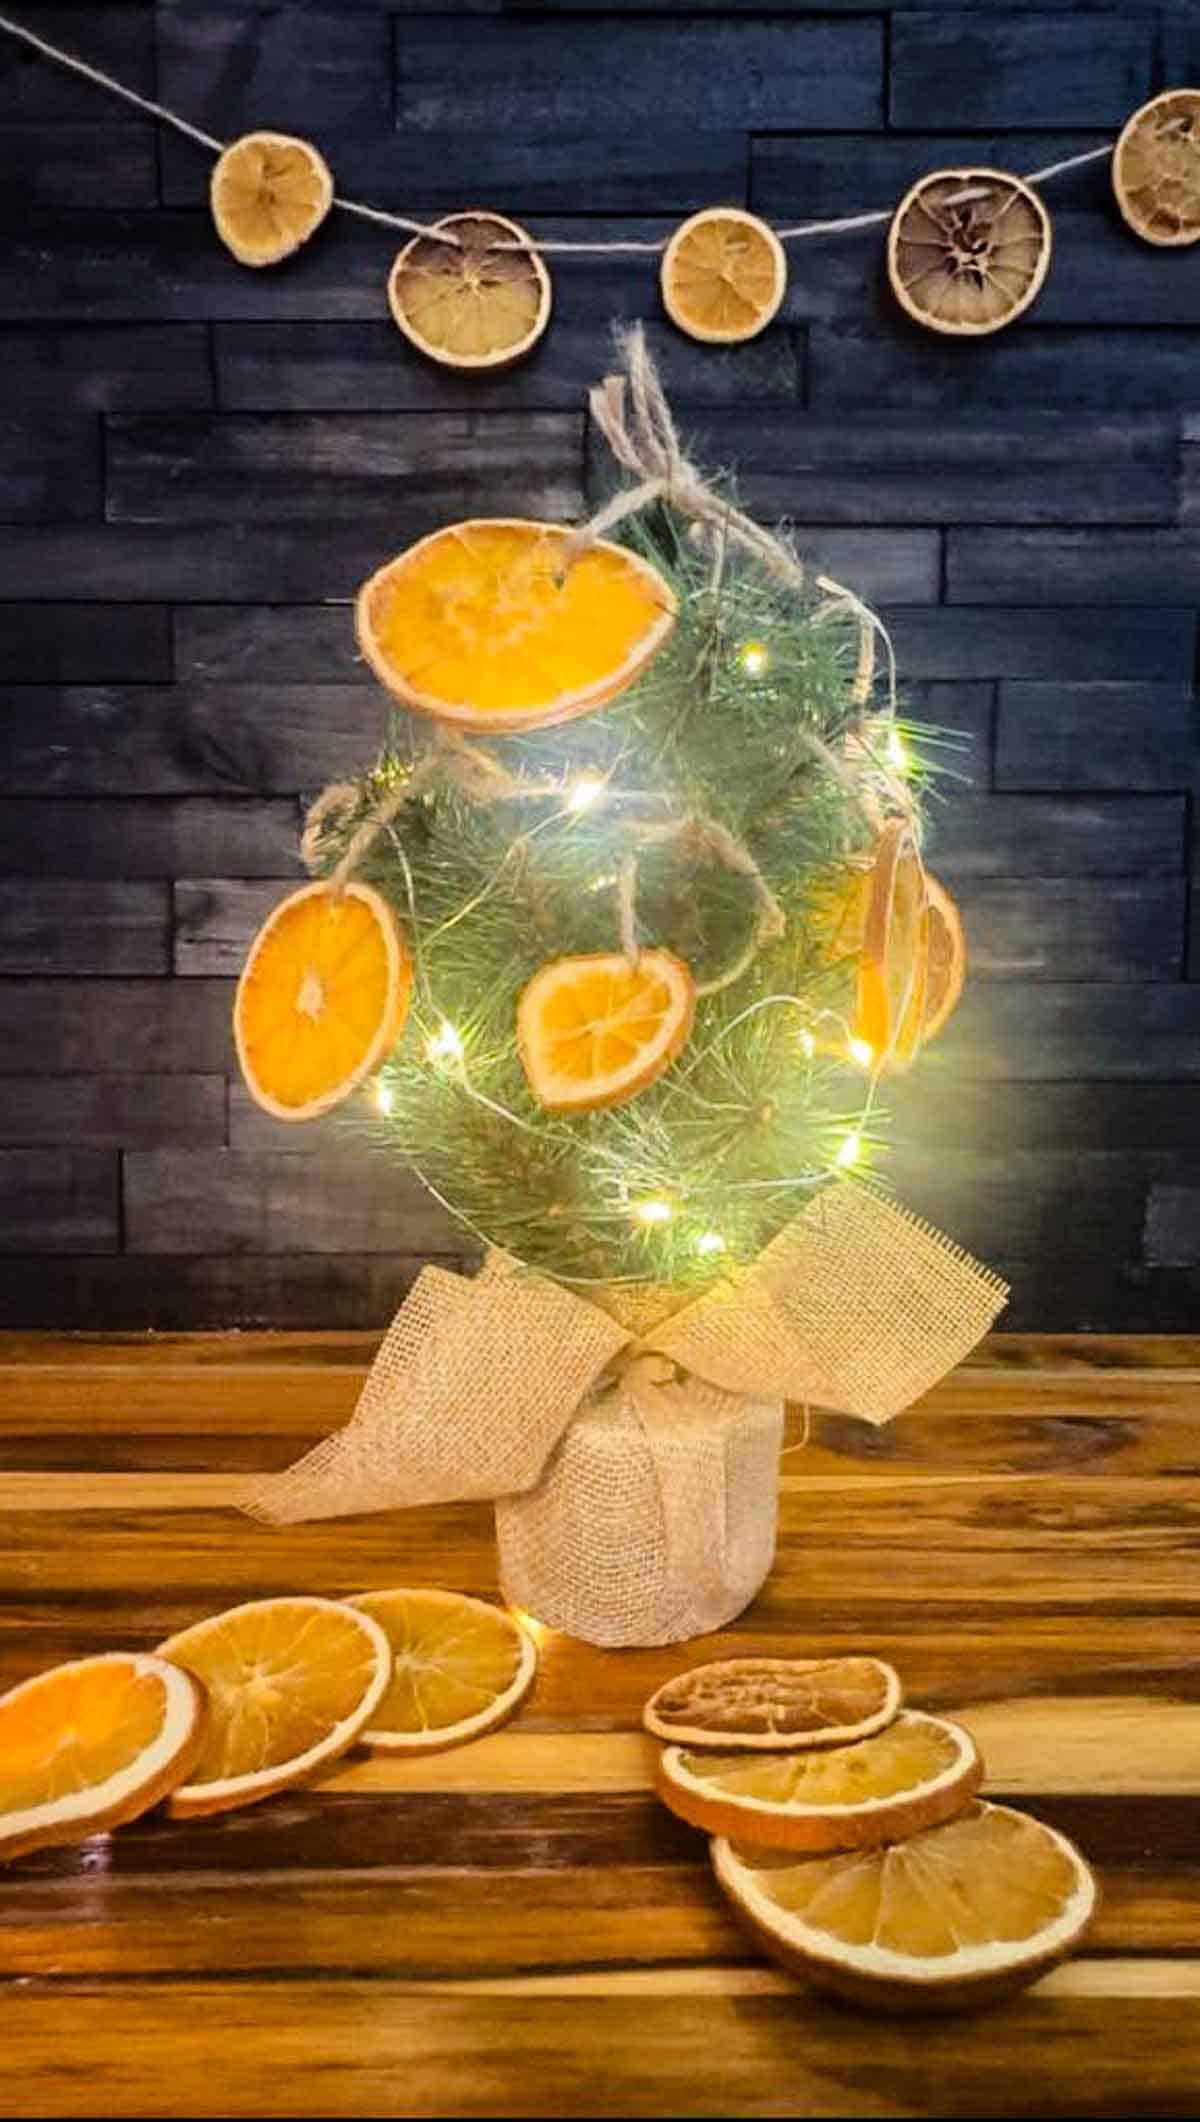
x: 518, y: 1927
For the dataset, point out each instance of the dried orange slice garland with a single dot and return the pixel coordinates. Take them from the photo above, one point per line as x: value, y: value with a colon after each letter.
x: 960, y: 1913
x: 1156, y: 169
x: 291, y: 1684
x: 322, y: 999
x: 499, y: 625
x: 917, y: 1771
x: 268, y: 193
x: 89, y: 1745
x: 968, y: 250
x: 723, y: 276
x: 459, y: 1667
x: 772, y: 1703
x: 480, y: 302
x: 595, y: 1030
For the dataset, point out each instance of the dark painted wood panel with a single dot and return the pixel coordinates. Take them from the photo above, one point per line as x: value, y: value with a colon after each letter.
x: 965, y: 641
x: 115, y: 837
x: 210, y: 1294
x: 149, y: 740
x: 544, y: 79
x: 68, y: 1027
x: 215, y: 921
x: 114, y: 1112
x: 61, y: 1200
x: 106, y: 367
x: 1023, y: 70
x: 230, y: 562
x: 236, y: 68
x: 894, y: 364
x: 1072, y: 1032
x: 74, y: 165
x: 1054, y: 1116
x: 55, y: 643
x: 1068, y: 566
x: 273, y: 644
x: 1083, y: 737
x: 1026, y: 1204
x: 1173, y: 1219
x: 1036, y: 836
x: 49, y: 467
x: 407, y: 476
x: 247, y: 1201
x: 54, y: 924
x: 798, y: 174
x: 252, y: 1128
x: 1068, y: 928
x: 990, y: 468
x: 1100, y: 274
x: 119, y: 39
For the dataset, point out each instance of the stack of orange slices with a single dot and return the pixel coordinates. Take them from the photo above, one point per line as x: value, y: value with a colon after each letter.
x: 849, y: 1837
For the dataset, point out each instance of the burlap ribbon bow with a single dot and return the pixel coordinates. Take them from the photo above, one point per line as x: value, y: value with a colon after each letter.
x: 855, y: 1306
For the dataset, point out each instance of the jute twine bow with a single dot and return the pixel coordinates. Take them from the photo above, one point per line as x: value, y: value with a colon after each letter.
x: 856, y: 1305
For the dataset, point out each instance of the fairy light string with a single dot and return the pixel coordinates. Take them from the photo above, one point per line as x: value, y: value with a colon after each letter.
x: 797, y: 232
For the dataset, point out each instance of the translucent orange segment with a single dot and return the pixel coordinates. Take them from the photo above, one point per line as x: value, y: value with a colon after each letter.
x: 85, y: 1723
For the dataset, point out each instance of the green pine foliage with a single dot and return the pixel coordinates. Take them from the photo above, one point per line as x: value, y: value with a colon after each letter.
x: 763, y: 1107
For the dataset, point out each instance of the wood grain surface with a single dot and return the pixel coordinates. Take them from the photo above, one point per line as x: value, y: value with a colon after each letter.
x: 519, y: 1927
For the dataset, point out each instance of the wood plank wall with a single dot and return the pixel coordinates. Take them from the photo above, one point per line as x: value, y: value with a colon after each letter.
x: 198, y: 463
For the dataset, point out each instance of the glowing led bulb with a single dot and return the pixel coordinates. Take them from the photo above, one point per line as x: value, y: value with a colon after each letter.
x: 754, y: 658
x: 445, y: 1045
x: 383, y: 1098
x: 710, y: 1241
x: 862, y: 1051
x: 897, y: 751
x: 850, y: 1151
x: 807, y: 1044
x: 584, y: 791
x: 652, y: 1211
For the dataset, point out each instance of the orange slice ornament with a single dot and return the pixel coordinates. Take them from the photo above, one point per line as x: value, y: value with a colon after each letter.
x: 894, y: 957
x: 268, y: 193
x: 481, y: 302
x: 594, y: 1031
x: 322, y: 1000
x: 499, y: 625
x: 724, y: 275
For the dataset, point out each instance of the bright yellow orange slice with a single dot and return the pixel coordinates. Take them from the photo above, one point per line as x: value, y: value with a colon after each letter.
x: 596, y: 1030
x: 893, y: 961
x: 291, y: 1684
x: 918, y: 1770
x: 493, y: 625
x: 724, y: 276
x: 476, y: 303
x: 91, y: 1744
x: 268, y: 193
x: 766, y: 1704
x: 946, y: 954
x: 959, y: 1914
x: 322, y: 999
x: 459, y: 1666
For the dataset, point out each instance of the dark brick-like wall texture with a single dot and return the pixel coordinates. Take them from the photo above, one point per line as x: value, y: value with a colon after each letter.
x: 198, y: 463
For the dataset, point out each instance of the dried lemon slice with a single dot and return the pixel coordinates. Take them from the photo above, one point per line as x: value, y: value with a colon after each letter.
x: 459, y: 1666
x: 500, y: 625
x: 89, y: 1745
x: 268, y: 193
x: 917, y: 1771
x: 772, y: 1703
x: 594, y: 1031
x: 1156, y: 169
x: 724, y: 275
x: 959, y: 1914
x: 480, y: 302
x: 968, y: 249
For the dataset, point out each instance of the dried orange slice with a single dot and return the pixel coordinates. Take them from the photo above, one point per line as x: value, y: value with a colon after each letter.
x: 322, y: 999
x: 291, y: 1683
x: 917, y: 1771
x: 459, y: 1666
x: 91, y: 1744
x: 894, y: 956
x: 594, y: 1031
x: 946, y: 959
x: 957, y: 1915
x: 773, y: 1703
x: 724, y: 275
x: 1156, y: 169
x: 268, y: 193
x: 968, y: 249
x: 499, y: 625
x: 476, y: 303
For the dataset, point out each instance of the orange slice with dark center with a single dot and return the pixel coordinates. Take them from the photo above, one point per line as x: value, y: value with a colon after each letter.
x: 482, y: 301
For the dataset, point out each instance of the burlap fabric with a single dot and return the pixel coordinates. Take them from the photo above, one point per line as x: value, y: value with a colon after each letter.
x: 631, y: 1445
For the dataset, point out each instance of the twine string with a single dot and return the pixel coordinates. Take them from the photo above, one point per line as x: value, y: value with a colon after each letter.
x: 799, y: 232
